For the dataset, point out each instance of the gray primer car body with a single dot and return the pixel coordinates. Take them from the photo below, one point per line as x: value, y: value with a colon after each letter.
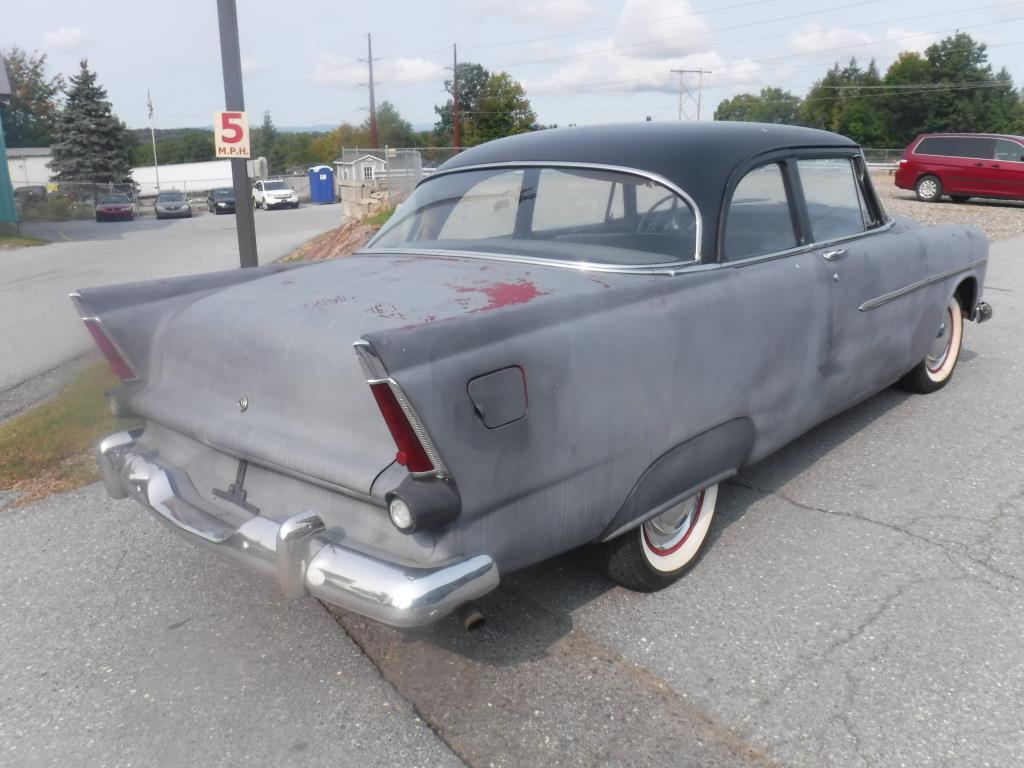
x: 568, y: 403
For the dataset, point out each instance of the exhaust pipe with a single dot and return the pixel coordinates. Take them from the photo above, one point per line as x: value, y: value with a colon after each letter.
x: 471, y: 617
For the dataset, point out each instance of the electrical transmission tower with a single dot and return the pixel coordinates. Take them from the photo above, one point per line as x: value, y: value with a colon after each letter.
x: 689, y: 95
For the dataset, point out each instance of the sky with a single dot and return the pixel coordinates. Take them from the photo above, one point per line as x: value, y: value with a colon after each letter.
x: 581, y: 61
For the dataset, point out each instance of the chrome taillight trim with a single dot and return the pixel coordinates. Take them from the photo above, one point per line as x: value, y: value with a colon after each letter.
x: 85, y: 317
x: 377, y: 373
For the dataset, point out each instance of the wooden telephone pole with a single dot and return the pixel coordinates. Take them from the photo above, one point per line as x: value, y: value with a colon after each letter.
x: 456, y: 117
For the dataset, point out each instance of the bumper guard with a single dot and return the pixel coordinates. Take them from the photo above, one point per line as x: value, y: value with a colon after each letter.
x: 296, y: 551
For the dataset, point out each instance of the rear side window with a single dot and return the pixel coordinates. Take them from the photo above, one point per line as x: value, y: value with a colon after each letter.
x: 759, y: 220
x: 976, y: 147
x: 1009, y: 151
x: 568, y: 199
x: 834, y: 206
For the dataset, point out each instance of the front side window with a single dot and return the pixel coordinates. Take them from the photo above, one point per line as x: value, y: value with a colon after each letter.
x: 558, y: 213
x: 759, y: 219
x: 834, y: 206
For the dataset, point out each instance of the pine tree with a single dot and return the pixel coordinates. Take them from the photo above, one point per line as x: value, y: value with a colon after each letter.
x: 89, y: 140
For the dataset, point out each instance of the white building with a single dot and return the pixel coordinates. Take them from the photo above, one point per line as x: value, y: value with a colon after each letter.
x: 193, y: 177
x: 360, y: 167
x: 29, y: 166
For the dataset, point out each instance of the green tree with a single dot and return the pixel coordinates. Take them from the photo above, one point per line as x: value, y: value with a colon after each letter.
x: 265, y: 143
x: 473, y: 79
x: 31, y: 115
x: 89, y: 140
x: 327, y: 147
x: 392, y: 129
x: 772, y: 105
x: 503, y: 110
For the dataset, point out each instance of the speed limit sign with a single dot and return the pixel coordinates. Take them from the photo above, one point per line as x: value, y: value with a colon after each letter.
x: 231, y: 134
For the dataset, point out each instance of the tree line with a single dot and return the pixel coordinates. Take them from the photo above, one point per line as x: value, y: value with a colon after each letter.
x: 74, y: 116
x: 950, y: 88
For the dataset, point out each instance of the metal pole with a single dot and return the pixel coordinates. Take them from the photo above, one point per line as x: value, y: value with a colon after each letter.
x: 373, y: 106
x: 234, y: 100
x: 700, y: 89
x: 152, y: 137
x: 456, y: 117
x: 680, y: 73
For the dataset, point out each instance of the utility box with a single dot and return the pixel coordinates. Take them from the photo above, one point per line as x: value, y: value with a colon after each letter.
x: 321, y: 184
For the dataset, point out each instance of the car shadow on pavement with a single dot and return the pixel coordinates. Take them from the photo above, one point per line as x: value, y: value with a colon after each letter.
x: 533, y: 609
x: 89, y: 229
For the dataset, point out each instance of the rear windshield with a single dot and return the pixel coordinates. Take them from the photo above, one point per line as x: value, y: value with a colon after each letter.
x: 565, y: 214
x: 114, y: 199
x: 223, y: 193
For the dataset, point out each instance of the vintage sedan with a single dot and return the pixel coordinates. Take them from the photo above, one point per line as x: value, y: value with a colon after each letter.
x: 563, y: 338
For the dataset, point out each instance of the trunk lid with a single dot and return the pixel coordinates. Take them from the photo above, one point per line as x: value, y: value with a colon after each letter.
x: 266, y: 369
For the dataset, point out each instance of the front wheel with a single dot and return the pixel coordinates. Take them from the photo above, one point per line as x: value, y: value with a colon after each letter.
x: 935, y: 371
x: 662, y: 549
x: 265, y: 206
x: 928, y: 189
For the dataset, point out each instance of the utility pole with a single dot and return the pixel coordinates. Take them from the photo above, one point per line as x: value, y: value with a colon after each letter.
x: 152, y: 137
x: 456, y: 117
x: 684, y: 90
x: 234, y: 100
x: 373, y: 106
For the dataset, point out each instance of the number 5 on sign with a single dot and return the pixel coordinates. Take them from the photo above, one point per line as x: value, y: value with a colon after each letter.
x: 231, y: 134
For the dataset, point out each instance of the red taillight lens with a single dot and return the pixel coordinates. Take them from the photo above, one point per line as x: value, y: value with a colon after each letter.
x: 411, y: 453
x: 118, y: 364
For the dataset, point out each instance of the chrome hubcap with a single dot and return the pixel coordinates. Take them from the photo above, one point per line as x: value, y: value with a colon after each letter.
x: 940, y: 347
x: 928, y: 188
x: 666, y: 532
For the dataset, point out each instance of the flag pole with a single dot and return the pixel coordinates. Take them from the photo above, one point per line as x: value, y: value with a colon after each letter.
x: 152, y: 138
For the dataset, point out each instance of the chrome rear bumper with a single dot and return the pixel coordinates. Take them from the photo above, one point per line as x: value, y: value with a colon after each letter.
x: 296, y: 552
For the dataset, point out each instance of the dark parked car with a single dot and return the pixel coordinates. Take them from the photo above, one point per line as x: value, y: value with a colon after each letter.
x: 30, y: 195
x: 963, y: 166
x: 172, y: 205
x: 115, y: 207
x: 563, y: 338
x: 221, y: 200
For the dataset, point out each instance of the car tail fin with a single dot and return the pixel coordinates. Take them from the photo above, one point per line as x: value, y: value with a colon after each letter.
x: 415, y: 450
x: 120, y: 364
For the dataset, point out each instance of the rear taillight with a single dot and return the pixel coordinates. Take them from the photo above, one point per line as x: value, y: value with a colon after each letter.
x: 411, y: 453
x: 119, y: 364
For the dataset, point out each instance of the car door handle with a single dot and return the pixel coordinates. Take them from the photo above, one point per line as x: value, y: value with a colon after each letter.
x: 979, y: 165
x: 996, y: 165
x: 833, y: 255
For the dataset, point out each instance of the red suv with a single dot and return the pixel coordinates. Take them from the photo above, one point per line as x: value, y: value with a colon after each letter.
x: 963, y: 165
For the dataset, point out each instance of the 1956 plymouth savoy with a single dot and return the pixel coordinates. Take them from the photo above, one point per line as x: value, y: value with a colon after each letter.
x: 562, y: 338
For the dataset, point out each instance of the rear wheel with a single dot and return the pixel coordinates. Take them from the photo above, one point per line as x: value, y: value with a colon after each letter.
x: 663, y: 548
x: 935, y: 371
x: 928, y: 189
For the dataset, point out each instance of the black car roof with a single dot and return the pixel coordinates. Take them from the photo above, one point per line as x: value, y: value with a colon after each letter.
x: 697, y: 157
x: 681, y: 152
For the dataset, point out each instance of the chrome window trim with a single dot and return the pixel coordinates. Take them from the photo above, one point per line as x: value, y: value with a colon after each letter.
x: 669, y: 267
x: 889, y: 224
x: 885, y: 298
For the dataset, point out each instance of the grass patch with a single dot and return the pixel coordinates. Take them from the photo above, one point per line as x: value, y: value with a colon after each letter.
x: 379, y: 218
x: 18, y: 241
x: 48, y: 449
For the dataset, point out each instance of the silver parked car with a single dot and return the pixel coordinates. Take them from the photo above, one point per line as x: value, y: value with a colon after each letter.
x: 172, y: 205
x: 564, y: 338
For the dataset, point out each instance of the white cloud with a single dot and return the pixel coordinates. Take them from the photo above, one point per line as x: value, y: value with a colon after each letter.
x: 679, y: 31
x: 854, y: 43
x: 555, y: 13
x: 334, y: 70
x: 64, y: 39
x: 639, y: 56
x: 251, y: 65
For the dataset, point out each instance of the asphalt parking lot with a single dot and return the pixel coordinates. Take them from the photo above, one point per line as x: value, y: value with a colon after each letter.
x: 860, y: 605
x: 41, y: 330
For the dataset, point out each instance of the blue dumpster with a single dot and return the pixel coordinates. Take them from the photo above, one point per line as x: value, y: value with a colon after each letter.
x: 321, y: 184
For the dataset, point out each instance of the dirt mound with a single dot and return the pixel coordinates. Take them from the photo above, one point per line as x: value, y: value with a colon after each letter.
x: 341, y: 241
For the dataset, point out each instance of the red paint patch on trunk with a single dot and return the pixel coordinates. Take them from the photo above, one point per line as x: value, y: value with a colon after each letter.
x: 500, y: 294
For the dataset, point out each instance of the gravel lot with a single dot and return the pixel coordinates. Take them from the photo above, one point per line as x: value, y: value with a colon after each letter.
x: 999, y: 219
